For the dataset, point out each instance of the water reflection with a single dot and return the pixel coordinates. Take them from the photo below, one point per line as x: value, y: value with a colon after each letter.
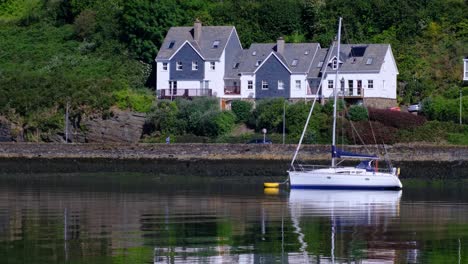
x: 348, y: 212
x: 142, y: 219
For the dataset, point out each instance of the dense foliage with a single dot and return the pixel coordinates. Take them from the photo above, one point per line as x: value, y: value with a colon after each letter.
x: 97, y: 54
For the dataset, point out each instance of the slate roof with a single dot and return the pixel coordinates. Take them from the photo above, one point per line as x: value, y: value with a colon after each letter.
x: 360, y: 57
x: 302, y: 52
x: 209, y: 34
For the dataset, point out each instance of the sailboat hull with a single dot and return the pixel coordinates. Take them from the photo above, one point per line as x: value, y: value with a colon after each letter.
x: 343, y: 178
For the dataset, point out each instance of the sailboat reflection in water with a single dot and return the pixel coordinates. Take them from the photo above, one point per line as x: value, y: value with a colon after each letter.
x: 352, y: 214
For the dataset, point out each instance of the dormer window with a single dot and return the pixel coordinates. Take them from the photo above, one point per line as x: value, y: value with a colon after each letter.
x: 215, y: 44
x: 369, y: 61
x: 258, y: 63
x: 254, y: 53
x: 171, y: 45
x: 334, y: 64
x: 294, y: 62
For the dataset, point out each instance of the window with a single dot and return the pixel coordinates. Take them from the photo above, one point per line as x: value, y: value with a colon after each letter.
x: 298, y: 84
x: 264, y: 85
x: 280, y: 85
x: 335, y: 64
x: 164, y: 66
x: 194, y: 65
x: 294, y: 62
x: 320, y: 64
x: 258, y: 63
x: 236, y: 65
x: 212, y: 65
x: 369, y: 61
x: 171, y: 45
x: 306, y: 52
x: 250, y: 85
x: 215, y: 44
x: 254, y: 53
x: 330, y: 84
x: 350, y: 83
x: 370, y: 84
x: 179, y: 66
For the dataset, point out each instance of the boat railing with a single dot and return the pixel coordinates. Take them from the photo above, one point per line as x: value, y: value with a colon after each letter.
x: 302, y: 167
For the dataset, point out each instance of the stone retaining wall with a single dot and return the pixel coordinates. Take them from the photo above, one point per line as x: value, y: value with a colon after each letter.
x: 398, y: 152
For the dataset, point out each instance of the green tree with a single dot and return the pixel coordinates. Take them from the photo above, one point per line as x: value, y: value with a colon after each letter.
x: 145, y: 24
x: 242, y: 110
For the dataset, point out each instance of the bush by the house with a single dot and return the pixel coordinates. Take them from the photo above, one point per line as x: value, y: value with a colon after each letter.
x: 242, y: 110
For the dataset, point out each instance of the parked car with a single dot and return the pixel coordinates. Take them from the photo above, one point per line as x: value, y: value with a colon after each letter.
x: 260, y: 141
x: 414, y: 108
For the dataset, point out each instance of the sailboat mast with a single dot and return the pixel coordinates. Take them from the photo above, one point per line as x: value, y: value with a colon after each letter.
x: 335, y: 93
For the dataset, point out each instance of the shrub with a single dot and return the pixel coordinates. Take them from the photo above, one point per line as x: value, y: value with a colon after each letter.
x: 163, y: 118
x: 269, y: 114
x: 357, y: 113
x: 368, y: 132
x: 242, y: 110
x: 442, y: 109
x: 395, y: 119
x: 215, y: 123
x: 139, y: 100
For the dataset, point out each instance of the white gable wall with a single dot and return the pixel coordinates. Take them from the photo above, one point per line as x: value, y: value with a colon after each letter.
x: 299, y: 93
x: 216, y: 76
x: 244, y: 82
x: 162, y: 76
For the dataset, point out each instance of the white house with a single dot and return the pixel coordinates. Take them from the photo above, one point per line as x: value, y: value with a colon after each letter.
x: 366, y: 73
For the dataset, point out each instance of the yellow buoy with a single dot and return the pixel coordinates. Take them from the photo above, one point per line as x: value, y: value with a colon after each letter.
x: 271, y: 191
x: 271, y: 185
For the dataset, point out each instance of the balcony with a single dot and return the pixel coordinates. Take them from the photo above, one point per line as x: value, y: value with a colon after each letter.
x: 184, y: 93
x: 232, y: 90
x: 351, y: 92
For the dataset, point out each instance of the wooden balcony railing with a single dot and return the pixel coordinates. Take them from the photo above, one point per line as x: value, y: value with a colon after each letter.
x: 187, y: 93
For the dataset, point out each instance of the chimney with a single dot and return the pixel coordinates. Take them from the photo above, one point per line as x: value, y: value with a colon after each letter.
x: 197, y: 30
x: 280, y: 45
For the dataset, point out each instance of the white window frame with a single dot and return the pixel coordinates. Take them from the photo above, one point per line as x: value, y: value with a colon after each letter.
x: 264, y: 85
x: 335, y: 64
x: 370, y: 84
x: 298, y: 85
x: 179, y: 66
x: 280, y: 85
x: 194, y: 65
x: 165, y: 66
x: 250, y: 85
x: 212, y: 65
x: 330, y: 84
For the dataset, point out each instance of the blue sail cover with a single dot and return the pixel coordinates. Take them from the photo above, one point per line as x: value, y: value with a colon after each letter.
x: 339, y: 153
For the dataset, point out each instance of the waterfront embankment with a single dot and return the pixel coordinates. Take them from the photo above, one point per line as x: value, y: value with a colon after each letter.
x: 420, y: 161
x: 398, y: 152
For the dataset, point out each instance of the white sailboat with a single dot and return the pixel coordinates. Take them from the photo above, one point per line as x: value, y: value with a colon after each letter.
x: 363, y: 176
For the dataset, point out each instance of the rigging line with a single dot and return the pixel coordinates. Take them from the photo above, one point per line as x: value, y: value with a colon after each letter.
x: 360, y: 138
x: 313, y: 104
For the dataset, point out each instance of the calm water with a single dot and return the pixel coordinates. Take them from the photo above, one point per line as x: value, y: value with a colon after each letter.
x: 137, y: 218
